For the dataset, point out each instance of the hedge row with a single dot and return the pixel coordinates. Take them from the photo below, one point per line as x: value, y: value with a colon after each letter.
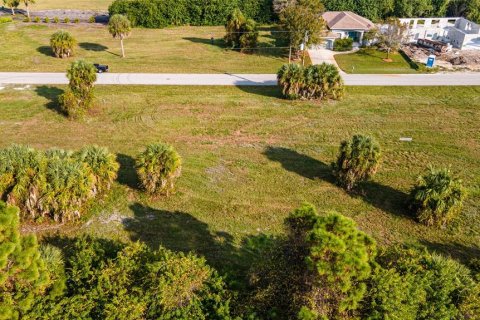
x: 164, y: 13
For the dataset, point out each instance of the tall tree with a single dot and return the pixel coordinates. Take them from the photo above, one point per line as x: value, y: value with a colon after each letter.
x: 473, y: 11
x: 318, y: 271
x: 120, y: 28
x: 302, y: 22
x: 23, y: 274
x: 12, y: 4
x: 391, y: 35
x: 27, y: 3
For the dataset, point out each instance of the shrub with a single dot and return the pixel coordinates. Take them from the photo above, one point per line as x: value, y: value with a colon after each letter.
x: 320, y: 82
x: 345, y: 44
x: 78, y: 98
x: 437, y: 197
x: 66, y: 20
x: 109, y: 280
x: 56, y: 20
x: 27, y: 19
x: 76, y: 20
x: 36, y: 20
x: 158, y: 167
x: 357, y: 161
x: 92, y: 19
x: 5, y: 19
x: 46, y: 20
x: 56, y: 183
x: 62, y: 44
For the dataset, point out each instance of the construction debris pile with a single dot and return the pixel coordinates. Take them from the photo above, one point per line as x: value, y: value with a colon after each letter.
x: 451, y: 60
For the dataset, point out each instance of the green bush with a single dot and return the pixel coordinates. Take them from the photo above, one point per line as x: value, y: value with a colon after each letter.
x: 62, y: 44
x: 54, y: 184
x: 27, y: 19
x: 92, y: 19
x: 414, y: 284
x: 76, y: 20
x: 66, y: 20
x: 110, y: 280
x: 158, y: 166
x: 316, y: 82
x: 56, y: 20
x: 46, y: 20
x: 5, y: 19
x: 437, y: 197
x: 357, y: 161
x: 36, y: 20
x: 345, y: 44
x: 163, y: 13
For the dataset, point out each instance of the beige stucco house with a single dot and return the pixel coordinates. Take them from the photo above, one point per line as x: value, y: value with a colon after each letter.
x: 345, y: 24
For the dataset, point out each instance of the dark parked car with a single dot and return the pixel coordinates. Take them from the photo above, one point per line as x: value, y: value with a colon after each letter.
x: 101, y: 67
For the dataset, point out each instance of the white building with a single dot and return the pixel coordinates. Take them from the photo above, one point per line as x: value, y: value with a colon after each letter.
x: 458, y: 32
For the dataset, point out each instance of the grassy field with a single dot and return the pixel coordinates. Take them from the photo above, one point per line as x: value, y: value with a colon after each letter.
x: 371, y: 61
x: 250, y: 158
x: 173, y: 50
x: 69, y: 4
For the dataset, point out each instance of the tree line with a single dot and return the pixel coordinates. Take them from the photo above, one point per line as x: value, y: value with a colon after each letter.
x: 163, y: 13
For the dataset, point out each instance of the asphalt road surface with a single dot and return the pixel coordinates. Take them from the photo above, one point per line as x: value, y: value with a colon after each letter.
x: 438, y: 79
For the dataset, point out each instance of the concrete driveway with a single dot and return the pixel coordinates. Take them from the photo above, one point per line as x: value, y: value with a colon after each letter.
x: 319, y: 54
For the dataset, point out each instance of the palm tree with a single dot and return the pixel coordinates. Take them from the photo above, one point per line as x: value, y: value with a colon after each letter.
x: 357, y: 161
x: 78, y: 98
x: 291, y: 78
x: 102, y: 165
x: 158, y: 167
x: 62, y: 44
x: 330, y: 81
x: 28, y: 2
x: 120, y: 28
x: 235, y: 21
x: 437, y: 197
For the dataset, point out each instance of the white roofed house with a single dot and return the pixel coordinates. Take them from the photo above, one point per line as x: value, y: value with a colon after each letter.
x: 345, y: 24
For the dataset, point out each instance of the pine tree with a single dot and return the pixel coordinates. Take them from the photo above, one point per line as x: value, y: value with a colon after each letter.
x: 23, y: 274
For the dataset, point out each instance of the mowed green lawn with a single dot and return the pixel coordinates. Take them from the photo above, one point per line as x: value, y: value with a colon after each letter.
x: 250, y: 158
x: 69, y: 4
x: 172, y: 50
x: 371, y: 61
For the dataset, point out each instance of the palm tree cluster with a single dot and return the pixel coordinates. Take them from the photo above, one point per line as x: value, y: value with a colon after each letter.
x: 79, y: 96
x: 316, y: 82
x: 357, y: 161
x: 158, y: 166
x: 56, y: 183
x: 242, y: 33
x: 62, y: 44
x: 437, y: 197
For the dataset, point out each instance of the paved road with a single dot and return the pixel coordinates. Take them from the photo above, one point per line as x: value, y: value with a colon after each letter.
x: 439, y: 79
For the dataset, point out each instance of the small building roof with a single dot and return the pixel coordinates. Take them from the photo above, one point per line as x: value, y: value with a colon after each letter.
x: 346, y: 20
